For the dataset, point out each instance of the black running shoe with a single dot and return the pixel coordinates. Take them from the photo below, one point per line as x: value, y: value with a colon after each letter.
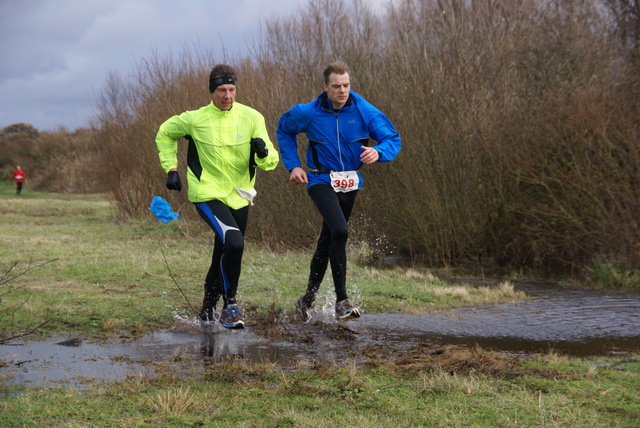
x: 208, y: 315
x: 302, y: 309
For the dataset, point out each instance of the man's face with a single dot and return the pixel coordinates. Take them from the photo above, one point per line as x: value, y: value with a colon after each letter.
x: 224, y: 96
x: 338, y: 89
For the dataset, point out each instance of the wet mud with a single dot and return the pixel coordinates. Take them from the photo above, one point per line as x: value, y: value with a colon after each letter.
x: 574, y: 322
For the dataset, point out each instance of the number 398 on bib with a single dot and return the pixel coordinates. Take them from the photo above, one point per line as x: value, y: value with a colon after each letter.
x: 344, y: 181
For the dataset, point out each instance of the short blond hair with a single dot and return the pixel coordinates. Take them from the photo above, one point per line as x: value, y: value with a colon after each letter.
x: 337, y: 67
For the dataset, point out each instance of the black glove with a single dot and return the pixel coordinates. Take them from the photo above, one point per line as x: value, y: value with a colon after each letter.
x: 173, y: 181
x: 258, y: 145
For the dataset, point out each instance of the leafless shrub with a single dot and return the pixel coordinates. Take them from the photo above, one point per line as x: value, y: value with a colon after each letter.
x: 519, y: 123
x: 9, y: 330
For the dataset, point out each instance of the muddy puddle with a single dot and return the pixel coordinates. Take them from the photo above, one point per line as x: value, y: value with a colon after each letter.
x: 569, y: 321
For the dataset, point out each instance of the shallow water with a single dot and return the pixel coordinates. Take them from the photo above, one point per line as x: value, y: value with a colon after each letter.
x: 43, y: 362
x: 570, y: 321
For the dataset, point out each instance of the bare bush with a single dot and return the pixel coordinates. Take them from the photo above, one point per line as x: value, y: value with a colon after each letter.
x: 129, y: 116
x: 8, y: 328
x: 58, y: 161
x: 519, y: 123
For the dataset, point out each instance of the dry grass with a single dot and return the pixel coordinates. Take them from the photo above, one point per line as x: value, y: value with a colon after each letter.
x: 173, y: 402
x: 111, y: 325
x: 480, y: 294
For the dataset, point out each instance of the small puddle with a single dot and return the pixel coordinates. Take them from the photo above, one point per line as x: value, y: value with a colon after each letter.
x: 570, y: 321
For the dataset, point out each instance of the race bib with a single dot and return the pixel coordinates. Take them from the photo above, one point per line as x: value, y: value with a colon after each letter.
x: 344, y: 181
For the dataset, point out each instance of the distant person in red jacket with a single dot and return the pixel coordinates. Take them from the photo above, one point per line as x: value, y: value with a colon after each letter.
x: 19, y: 177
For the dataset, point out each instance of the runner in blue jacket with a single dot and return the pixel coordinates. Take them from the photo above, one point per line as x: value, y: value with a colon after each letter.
x: 338, y: 125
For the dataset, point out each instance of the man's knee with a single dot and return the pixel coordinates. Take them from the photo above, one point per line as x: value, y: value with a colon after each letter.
x: 234, y: 243
x: 340, y: 234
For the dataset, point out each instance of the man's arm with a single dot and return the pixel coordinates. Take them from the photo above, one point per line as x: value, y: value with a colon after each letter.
x: 167, y: 138
x: 389, y: 143
x: 291, y: 123
x: 270, y: 161
x: 381, y: 130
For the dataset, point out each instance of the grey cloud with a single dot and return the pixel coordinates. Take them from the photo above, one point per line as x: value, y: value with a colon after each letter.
x: 57, y: 53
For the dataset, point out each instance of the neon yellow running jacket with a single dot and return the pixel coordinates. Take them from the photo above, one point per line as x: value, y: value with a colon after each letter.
x: 220, y: 162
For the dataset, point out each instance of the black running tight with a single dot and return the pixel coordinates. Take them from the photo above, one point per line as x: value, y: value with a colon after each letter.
x: 229, y: 226
x: 335, y: 209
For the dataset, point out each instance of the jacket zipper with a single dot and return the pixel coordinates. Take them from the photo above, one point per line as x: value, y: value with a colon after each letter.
x: 338, y: 140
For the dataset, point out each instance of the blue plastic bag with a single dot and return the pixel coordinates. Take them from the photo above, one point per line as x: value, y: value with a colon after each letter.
x: 162, y: 210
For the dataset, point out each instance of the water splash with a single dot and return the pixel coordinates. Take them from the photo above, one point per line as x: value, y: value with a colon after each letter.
x: 185, y: 322
x: 180, y: 315
x: 324, y: 309
x: 356, y: 297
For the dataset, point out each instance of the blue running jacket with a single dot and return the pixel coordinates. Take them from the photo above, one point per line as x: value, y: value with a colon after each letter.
x: 335, y: 136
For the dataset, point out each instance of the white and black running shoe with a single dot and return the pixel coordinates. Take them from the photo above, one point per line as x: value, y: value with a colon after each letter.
x: 346, y: 311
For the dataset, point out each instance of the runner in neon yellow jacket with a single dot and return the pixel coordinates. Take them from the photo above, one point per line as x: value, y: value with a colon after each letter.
x: 226, y: 142
x: 220, y: 157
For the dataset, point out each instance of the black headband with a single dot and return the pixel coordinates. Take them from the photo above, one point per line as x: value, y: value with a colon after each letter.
x: 224, y: 80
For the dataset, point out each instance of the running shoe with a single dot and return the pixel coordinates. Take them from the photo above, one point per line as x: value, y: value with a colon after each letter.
x: 208, y: 315
x: 302, y: 309
x: 346, y: 311
x: 231, y: 317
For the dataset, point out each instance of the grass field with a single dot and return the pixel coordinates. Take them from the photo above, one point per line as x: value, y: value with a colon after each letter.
x: 69, y: 263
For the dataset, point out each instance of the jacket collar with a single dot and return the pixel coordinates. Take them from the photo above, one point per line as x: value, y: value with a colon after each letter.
x: 218, y: 111
x: 326, y: 105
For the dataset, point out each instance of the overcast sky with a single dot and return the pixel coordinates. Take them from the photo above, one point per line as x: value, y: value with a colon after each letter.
x: 57, y: 53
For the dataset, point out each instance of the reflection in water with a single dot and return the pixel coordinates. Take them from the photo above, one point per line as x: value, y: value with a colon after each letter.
x: 240, y: 344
